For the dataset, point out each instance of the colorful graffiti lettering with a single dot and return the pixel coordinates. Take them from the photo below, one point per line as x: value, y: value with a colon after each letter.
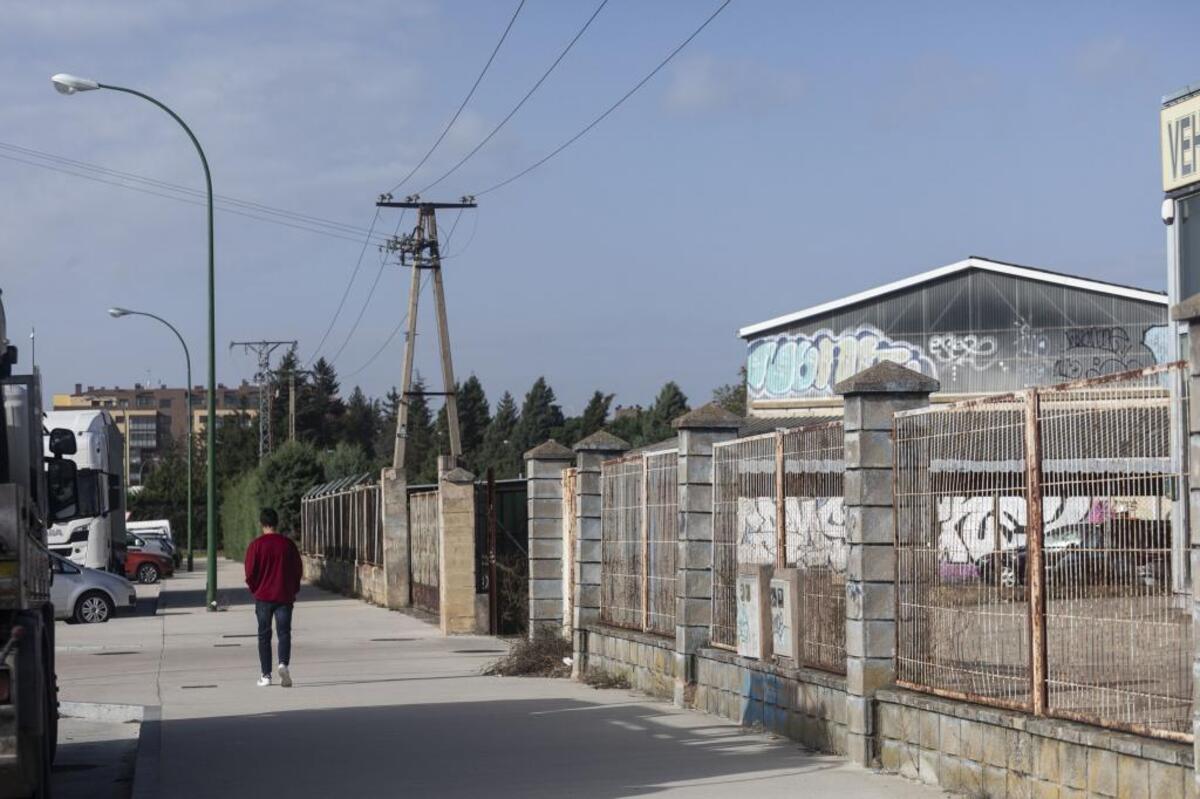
x: 798, y: 365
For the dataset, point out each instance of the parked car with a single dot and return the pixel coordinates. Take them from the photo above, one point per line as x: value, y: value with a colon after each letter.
x: 148, y: 544
x: 87, y: 596
x: 1123, y: 551
x: 147, y: 565
x: 158, y: 530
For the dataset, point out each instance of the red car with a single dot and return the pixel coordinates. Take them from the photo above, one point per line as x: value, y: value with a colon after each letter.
x: 147, y: 567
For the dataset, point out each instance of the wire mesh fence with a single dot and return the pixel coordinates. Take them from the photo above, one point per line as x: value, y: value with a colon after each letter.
x: 639, y: 521
x: 662, y: 535
x: 815, y: 537
x: 424, y: 549
x: 745, y: 506
x: 1035, y: 534
x: 343, y: 520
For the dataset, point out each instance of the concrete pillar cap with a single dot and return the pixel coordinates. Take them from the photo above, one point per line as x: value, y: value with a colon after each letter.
x: 550, y: 450
x: 1187, y: 310
x: 458, y: 475
x: 602, y: 441
x: 708, y: 417
x: 887, y: 377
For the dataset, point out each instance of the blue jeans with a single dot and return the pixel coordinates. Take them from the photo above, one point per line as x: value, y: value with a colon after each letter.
x: 283, y: 627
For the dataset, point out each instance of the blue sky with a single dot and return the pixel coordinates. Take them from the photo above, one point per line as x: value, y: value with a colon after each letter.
x: 794, y: 153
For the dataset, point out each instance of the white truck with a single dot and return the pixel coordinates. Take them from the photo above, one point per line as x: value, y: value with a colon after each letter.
x: 34, y: 491
x: 97, y: 538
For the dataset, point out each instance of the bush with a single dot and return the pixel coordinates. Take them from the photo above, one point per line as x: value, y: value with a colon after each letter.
x: 239, y: 514
x: 284, y: 477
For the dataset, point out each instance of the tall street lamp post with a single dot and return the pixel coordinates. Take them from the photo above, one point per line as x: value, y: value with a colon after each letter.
x: 117, y: 313
x: 70, y: 84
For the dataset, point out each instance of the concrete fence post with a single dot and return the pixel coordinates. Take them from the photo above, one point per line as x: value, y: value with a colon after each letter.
x: 698, y: 431
x: 544, y: 466
x: 871, y: 398
x: 396, y: 570
x: 589, y: 454
x: 1189, y: 311
x: 456, y: 548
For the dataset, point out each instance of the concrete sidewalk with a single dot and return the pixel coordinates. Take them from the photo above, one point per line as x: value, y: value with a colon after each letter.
x: 385, y: 706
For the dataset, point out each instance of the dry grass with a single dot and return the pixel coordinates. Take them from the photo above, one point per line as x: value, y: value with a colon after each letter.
x: 599, y: 678
x: 540, y: 657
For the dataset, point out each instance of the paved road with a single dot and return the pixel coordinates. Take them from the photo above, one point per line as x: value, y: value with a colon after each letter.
x: 384, y: 706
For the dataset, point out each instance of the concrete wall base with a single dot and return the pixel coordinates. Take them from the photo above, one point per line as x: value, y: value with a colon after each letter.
x: 362, y: 580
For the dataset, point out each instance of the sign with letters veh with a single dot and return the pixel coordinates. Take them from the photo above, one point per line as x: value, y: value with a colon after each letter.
x: 1181, y: 143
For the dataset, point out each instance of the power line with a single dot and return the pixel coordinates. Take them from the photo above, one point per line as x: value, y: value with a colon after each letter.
x: 66, y: 165
x: 466, y: 100
x: 610, y: 109
x: 528, y: 94
x: 346, y: 293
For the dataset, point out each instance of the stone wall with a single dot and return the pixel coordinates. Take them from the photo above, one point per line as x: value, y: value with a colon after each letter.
x: 360, y: 580
x: 988, y: 752
x: 804, y: 705
x: 647, y: 661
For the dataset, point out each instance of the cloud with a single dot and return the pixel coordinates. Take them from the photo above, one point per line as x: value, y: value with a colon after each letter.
x: 704, y: 85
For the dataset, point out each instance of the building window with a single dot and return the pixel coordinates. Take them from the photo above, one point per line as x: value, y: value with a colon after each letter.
x: 165, y: 403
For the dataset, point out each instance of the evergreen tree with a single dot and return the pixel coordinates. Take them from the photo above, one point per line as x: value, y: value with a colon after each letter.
x: 385, y: 439
x: 360, y: 422
x: 498, y: 451
x: 346, y: 460
x: 420, y: 452
x: 540, y: 417
x: 669, y: 405
x: 595, y: 414
x: 319, y: 408
x: 473, y: 420
x: 629, y: 424
x: 732, y: 396
x: 280, y: 386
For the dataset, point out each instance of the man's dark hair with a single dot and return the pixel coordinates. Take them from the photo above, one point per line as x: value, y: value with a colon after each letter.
x: 267, y: 517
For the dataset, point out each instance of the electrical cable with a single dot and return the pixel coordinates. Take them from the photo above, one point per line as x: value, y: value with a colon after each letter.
x: 349, y: 285
x: 611, y: 108
x: 517, y: 107
x: 466, y: 100
x: 72, y: 163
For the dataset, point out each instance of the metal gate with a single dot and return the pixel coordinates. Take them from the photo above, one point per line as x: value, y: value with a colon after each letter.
x: 502, y: 553
x: 423, y: 549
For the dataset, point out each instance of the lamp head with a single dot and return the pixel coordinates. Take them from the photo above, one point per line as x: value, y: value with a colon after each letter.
x: 70, y: 84
x: 117, y: 313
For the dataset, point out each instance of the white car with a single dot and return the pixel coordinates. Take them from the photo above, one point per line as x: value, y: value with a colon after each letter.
x: 87, y: 596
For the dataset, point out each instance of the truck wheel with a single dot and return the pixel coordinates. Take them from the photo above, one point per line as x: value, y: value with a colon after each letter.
x: 94, y: 607
x: 147, y: 573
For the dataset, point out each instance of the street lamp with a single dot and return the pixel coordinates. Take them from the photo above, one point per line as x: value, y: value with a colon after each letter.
x: 71, y: 84
x: 117, y: 313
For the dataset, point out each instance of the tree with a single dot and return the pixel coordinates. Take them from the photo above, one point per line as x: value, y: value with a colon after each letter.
x: 385, y: 440
x: 669, y: 405
x: 420, y: 451
x: 360, y: 422
x: 732, y: 396
x: 540, y: 417
x: 283, y: 478
x: 318, y: 407
x: 595, y: 414
x: 629, y: 424
x: 473, y: 419
x: 498, y: 451
x: 346, y: 460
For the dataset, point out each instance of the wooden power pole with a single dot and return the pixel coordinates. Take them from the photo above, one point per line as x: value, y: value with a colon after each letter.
x: 422, y: 245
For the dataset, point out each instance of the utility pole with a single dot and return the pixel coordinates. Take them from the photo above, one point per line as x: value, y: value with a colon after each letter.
x: 422, y: 245
x: 262, y: 378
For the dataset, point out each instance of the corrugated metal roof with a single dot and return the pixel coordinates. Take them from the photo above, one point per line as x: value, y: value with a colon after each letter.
x: 972, y: 262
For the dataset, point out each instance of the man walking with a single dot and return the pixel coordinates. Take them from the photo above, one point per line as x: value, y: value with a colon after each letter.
x: 273, y: 571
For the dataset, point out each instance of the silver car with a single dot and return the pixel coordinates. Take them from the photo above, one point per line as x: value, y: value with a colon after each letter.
x: 87, y: 596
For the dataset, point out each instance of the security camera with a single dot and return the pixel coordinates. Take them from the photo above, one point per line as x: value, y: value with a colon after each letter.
x: 1168, y: 212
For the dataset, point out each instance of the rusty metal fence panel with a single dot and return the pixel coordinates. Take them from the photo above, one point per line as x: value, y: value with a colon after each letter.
x: 1034, y: 536
x: 1119, y: 639
x: 622, y: 559
x: 662, y: 536
x: 424, y: 549
x: 343, y: 521
x: 745, y: 505
x: 815, y: 538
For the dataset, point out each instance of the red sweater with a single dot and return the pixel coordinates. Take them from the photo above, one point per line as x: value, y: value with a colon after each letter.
x: 273, y: 568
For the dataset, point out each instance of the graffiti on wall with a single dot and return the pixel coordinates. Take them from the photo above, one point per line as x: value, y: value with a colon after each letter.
x: 804, y: 364
x: 1100, y: 350
x: 967, y: 351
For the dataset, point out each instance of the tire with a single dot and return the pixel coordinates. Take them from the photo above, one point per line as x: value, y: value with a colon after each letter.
x: 94, y: 607
x: 148, y: 573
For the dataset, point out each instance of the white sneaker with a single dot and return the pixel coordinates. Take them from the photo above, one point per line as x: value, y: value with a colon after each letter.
x: 264, y: 681
x: 285, y: 676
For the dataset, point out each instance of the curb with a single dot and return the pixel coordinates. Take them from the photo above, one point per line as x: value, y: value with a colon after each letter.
x: 102, y: 711
x: 149, y: 750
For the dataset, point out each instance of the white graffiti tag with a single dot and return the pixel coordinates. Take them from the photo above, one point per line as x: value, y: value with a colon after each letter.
x: 970, y: 350
x: 810, y: 365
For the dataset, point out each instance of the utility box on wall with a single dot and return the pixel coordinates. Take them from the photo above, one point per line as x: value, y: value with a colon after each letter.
x: 753, y: 616
x: 784, y: 609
